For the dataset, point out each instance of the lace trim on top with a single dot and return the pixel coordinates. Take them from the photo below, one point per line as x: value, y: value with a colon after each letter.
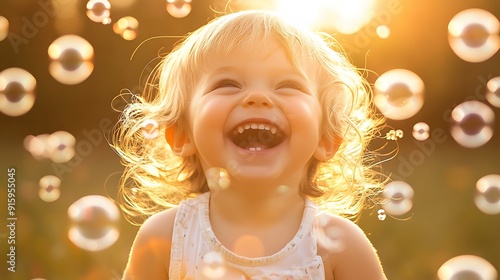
x: 305, y: 226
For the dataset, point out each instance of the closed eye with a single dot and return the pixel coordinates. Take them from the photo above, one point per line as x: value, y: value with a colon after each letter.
x: 291, y: 85
x: 226, y: 83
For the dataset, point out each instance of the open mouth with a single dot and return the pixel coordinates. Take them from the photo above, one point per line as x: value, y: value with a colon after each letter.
x: 256, y: 136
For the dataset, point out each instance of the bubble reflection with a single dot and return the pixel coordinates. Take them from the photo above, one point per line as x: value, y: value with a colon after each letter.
x: 150, y: 129
x: 487, y: 197
x: 472, y: 124
x: 94, y: 222
x: 473, y: 35
x: 17, y: 91
x: 49, y: 188
x: 126, y: 27
x: 214, y: 267
x: 98, y: 10
x: 217, y: 179
x: 493, y: 91
x: 399, y: 94
x: 383, y: 31
x: 4, y: 28
x: 330, y: 236
x: 71, y: 59
x: 467, y: 267
x: 58, y: 146
x: 399, y: 197
x: 421, y: 131
x: 178, y: 8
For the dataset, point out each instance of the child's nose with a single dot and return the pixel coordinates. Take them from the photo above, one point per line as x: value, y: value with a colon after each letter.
x: 257, y: 98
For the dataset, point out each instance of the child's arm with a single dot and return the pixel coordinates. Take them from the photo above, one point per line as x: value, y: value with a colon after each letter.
x: 354, y: 258
x: 150, y: 255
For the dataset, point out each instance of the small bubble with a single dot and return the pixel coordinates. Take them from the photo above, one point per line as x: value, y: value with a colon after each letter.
x: 49, y: 188
x: 493, y: 91
x: 399, y: 196
x: 98, y: 10
x: 94, y: 222
x: 467, y: 267
x: 399, y: 94
x: 217, y: 179
x: 213, y: 266
x: 487, y: 197
x: 473, y: 35
x: 233, y: 167
x: 60, y: 145
x: 37, y: 146
x: 421, y: 131
x: 381, y: 214
x: 329, y: 236
x: 178, y: 8
x: 472, y: 124
x: 4, y: 28
x: 150, y: 129
x: 17, y: 91
x: 383, y: 31
x: 126, y: 27
x: 71, y: 59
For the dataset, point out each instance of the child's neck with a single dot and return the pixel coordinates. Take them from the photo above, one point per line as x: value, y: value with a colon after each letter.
x: 260, y: 207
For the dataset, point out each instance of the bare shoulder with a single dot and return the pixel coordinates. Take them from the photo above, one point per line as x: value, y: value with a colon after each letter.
x: 346, y: 249
x: 150, y: 254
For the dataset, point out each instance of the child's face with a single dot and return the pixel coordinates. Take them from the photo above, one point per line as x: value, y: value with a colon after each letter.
x: 253, y: 114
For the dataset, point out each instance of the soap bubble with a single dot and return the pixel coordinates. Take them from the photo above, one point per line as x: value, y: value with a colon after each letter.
x: 487, y: 197
x: 126, y: 27
x: 329, y: 235
x: 49, y: 188
x: 150, y: 129
x: 94, y: 222
x: 399, y: 94
x: 381, y: 214
x: 4, y: 28
x: 217, y: 179
x: 71, y: 57
x: 399, y: 197
x: 17, y: 91
x: 493, y: 91
x: 214, y: 267
x: 178, y: 8
x: 383, y: 31
x: 473, y: 35
x: 472, y: 124
x: 37, y: 146
x: 421, y: 131
x: 98, y: 10
x: 467, y: 267
x: 61, y: 146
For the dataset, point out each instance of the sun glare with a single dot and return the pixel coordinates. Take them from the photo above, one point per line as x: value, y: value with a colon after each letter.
x: 343, y: 16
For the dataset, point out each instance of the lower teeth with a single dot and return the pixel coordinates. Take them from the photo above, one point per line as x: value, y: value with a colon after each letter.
x: 255, y: 149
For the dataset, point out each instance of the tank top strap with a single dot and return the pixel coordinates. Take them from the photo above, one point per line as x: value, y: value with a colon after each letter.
x: 181, y: 227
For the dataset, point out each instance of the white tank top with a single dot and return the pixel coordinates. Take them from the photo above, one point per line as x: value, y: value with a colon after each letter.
x: 196, y: 253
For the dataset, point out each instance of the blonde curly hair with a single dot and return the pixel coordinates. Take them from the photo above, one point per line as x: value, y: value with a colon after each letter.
x: 155, y: 178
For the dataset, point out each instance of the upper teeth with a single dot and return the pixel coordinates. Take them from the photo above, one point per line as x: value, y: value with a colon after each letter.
x: 266, y: 126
